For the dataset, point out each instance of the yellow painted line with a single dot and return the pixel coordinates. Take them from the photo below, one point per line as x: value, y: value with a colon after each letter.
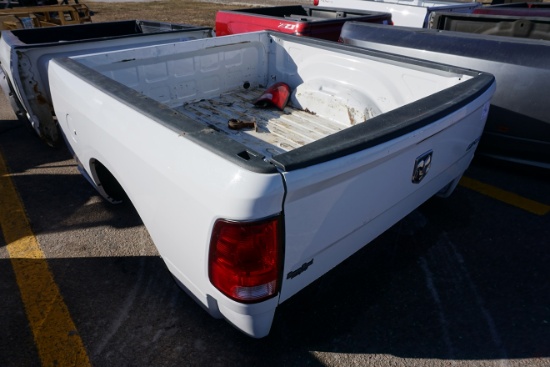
x: 507, y: 197
x: 55, y: 334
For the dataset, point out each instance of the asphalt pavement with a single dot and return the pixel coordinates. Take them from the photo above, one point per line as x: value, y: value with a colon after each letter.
x: 459, y: 282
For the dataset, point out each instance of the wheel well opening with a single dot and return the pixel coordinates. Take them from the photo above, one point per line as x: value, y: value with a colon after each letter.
x: 107, y: 184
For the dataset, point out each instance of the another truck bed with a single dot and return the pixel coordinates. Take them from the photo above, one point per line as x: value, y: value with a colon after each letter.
x: 518, y: 125
x: 494, y: 25
x: 516, y: 9
x: 25, y: 54
x: 318, y: 22
x: 410, y: 13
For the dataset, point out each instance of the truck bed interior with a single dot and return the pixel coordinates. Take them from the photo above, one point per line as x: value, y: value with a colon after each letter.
x: 495, y: 25
x: 275, y: 132
x: 209, y: 85
x: 303, y: 13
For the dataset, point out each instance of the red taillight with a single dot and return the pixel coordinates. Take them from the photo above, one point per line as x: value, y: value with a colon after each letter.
x: 245, y: 259
x: 315, y: 2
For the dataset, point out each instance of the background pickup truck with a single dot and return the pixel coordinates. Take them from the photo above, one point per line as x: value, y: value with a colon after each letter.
x: 245, y: 218
x: 25, y: 54
x: 318, y: 22
x: 537, y: 28
x: 410, y: 13
x: 518, y: 126
x: 516, y: 9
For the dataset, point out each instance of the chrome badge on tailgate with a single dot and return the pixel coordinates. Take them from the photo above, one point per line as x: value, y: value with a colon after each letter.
x: 422, y: 165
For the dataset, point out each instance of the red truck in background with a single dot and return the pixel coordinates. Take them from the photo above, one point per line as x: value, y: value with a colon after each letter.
x: 311, y: 21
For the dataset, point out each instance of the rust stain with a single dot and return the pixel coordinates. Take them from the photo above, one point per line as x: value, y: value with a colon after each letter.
x: 236, y: 124
x: 350, y: 116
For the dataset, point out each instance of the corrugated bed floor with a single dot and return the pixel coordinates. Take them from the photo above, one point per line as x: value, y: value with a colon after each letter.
x: 276, y: 131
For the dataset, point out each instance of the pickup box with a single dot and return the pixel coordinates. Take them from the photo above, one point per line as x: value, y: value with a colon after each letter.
x: 244, y: 219
x: 410, y: 13
x: 536, y: 28
x: 516, y: 9
x: 318, y: 22
x: 25, y: 54
x: 518, y: 125
x: 520, y: 5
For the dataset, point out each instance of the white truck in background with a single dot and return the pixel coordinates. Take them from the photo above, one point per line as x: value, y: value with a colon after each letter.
x: 245, y: 217
x: 409, y: 13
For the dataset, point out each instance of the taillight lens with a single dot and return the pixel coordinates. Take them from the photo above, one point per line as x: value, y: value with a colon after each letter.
x: 315, y: 2
x: 245, y: 259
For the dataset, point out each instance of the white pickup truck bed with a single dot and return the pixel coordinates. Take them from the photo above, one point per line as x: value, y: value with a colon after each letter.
x: 366, y: 138
x: 409, y: 13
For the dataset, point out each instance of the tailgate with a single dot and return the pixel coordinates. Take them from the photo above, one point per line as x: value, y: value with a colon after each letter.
x: 353, y: 199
